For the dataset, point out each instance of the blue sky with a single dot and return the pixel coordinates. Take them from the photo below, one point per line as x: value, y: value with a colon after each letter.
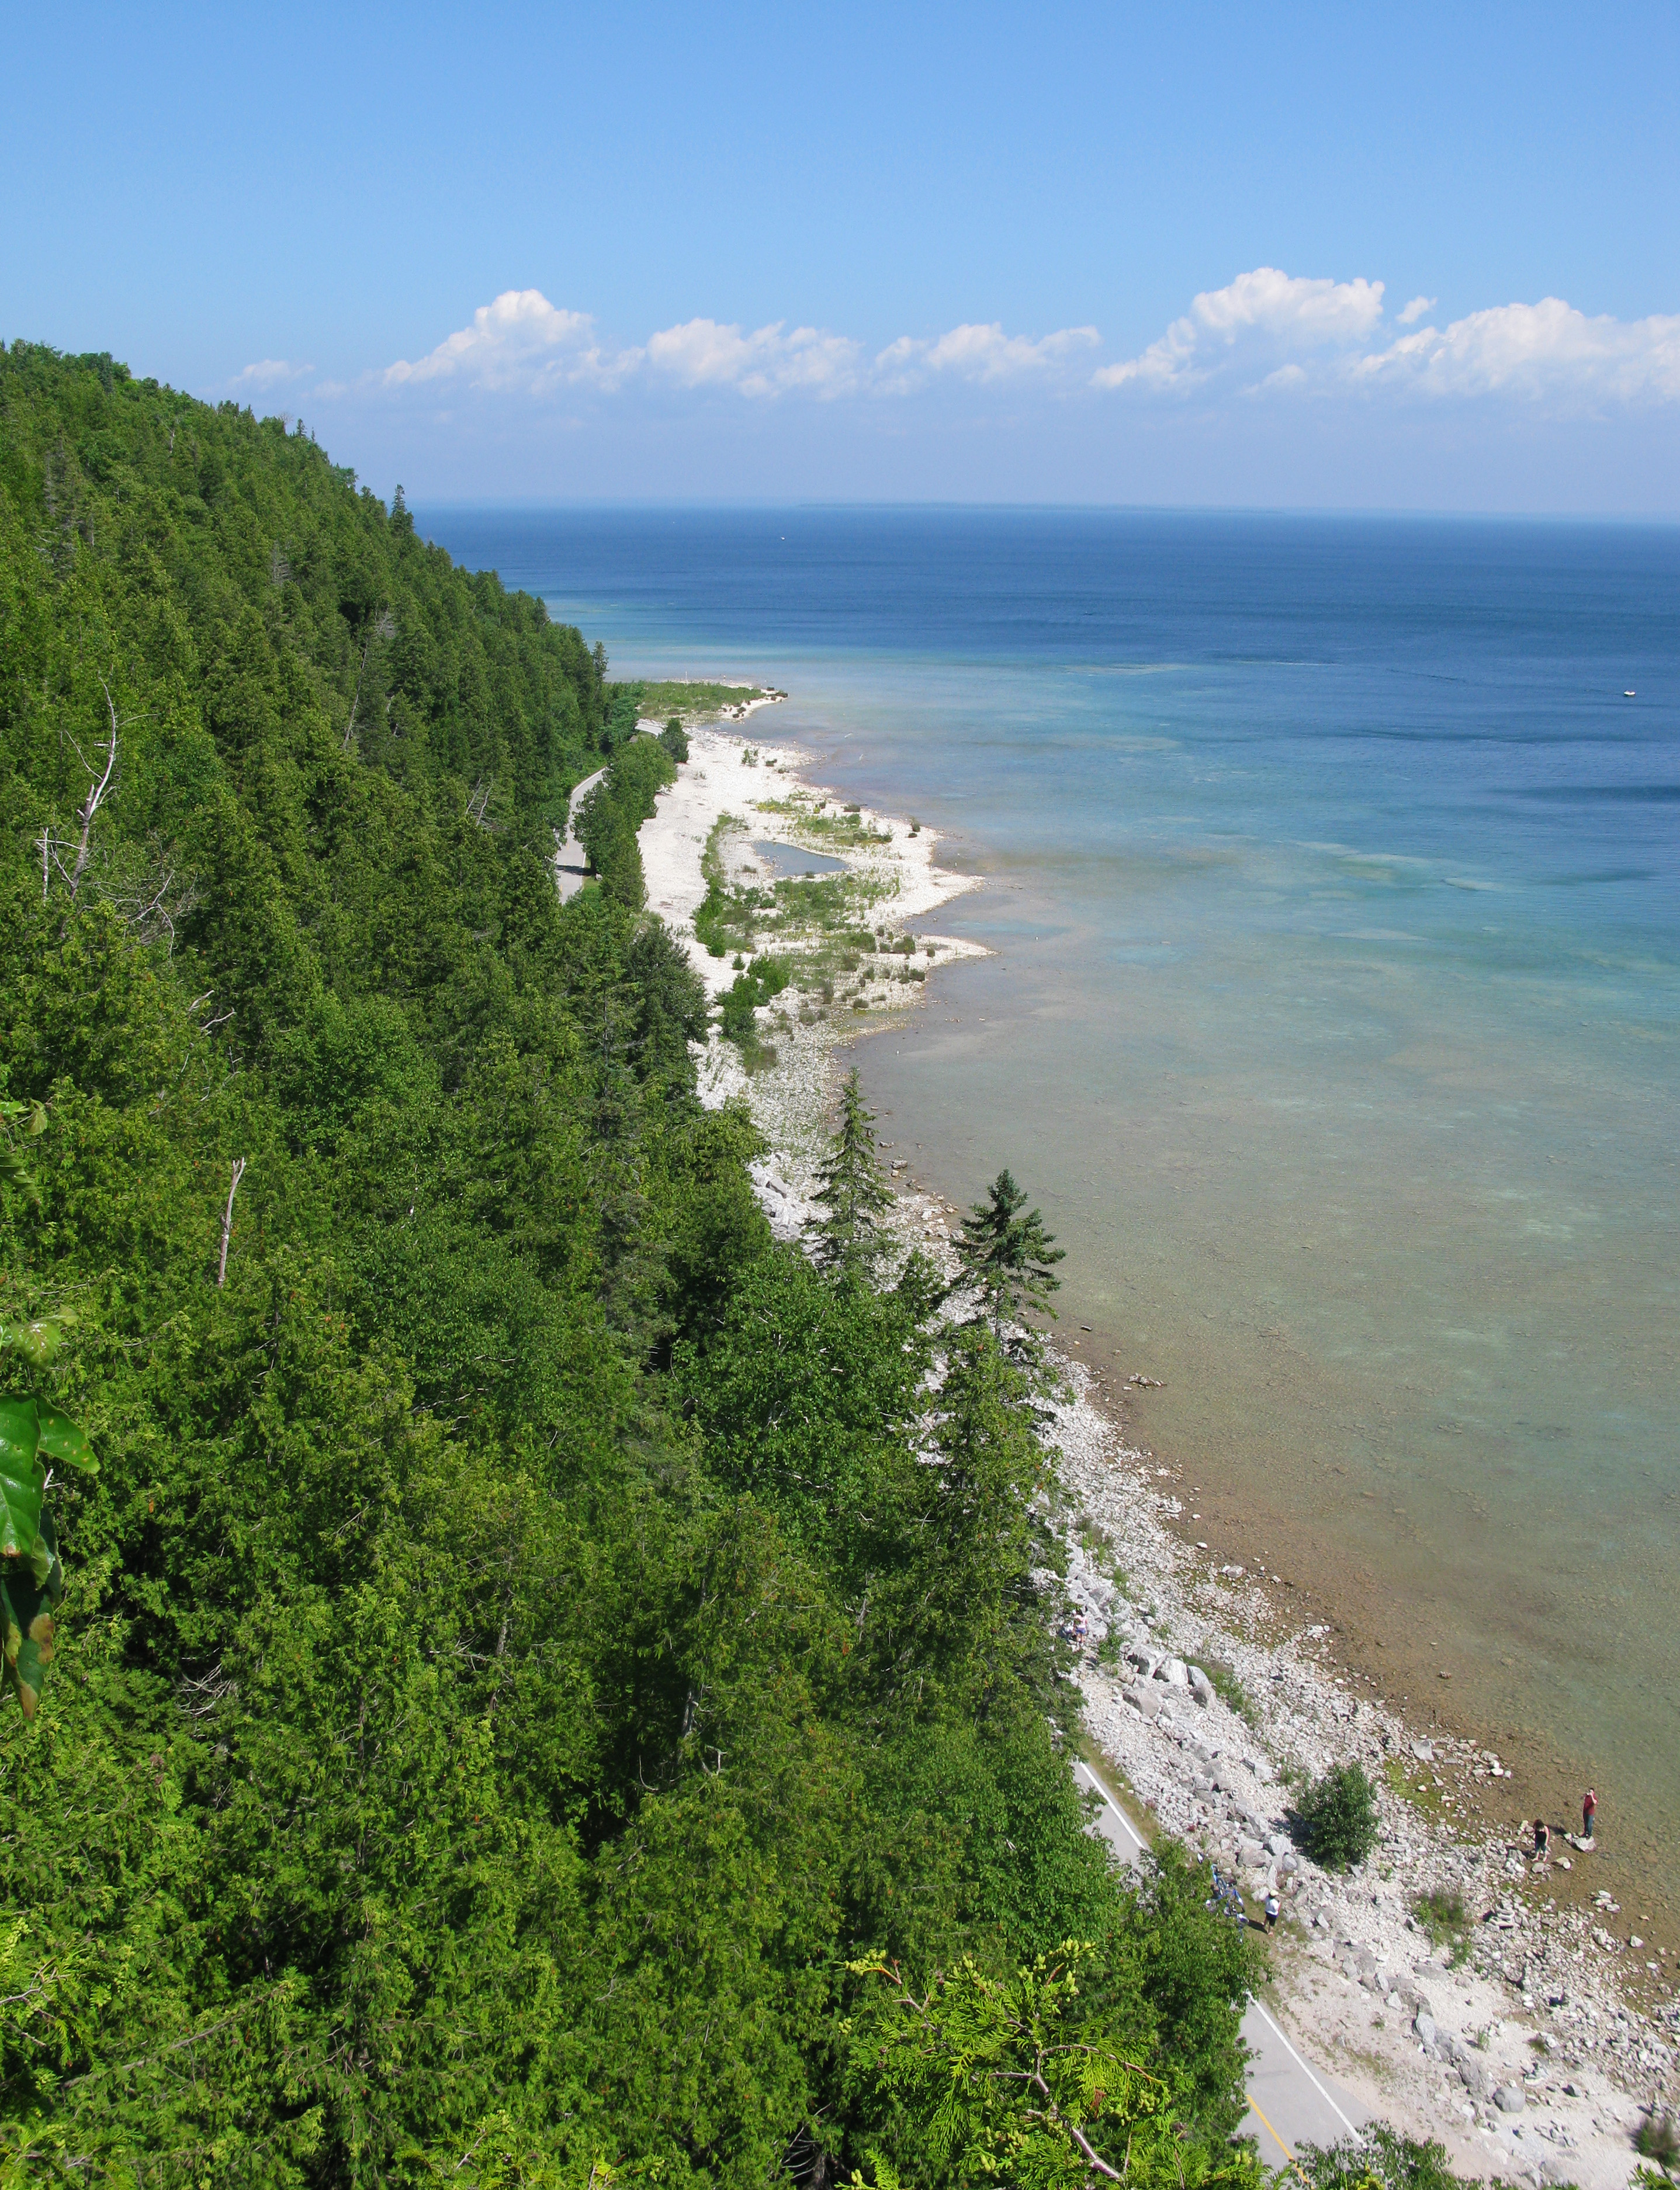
x: 1350, y: 256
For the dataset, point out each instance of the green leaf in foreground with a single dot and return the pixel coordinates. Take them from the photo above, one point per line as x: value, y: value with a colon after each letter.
x: 32, y: 1578
x: 64, y: 1440
x: 28, y: 1596
x: 22, y: 1478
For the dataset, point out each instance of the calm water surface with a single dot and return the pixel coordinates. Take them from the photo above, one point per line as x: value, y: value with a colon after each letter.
x: 1335, y: 895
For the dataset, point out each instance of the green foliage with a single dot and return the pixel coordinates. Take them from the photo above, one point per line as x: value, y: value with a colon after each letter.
x: 756, y: 984
x: 34, y: 1435
x: 687, y: 699
x: 1337, y: 1818
x: 527, y: 1631
x: 982, y: 2076
x: 611, y: 813
x: 1377, y: 2157
x: 1008, y: 1259
x: 675, y: 738
x: 979, y: 2076
x: 852, y: 1192
x: 1445, y: 1921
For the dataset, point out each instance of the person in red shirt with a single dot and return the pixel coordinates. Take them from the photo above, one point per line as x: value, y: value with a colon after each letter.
x: 1589, y: 1811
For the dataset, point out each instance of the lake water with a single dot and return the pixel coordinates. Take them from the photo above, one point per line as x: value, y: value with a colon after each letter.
x: 1332, y: 886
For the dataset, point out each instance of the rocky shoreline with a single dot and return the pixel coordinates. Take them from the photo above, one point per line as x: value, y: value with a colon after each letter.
x: 1515, y: 2041
x: 1435, y: 1982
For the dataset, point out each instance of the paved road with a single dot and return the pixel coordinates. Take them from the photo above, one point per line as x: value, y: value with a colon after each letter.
x: 1293, y: 2103
x: 568, y: 860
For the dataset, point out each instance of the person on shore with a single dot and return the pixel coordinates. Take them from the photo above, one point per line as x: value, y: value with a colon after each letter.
x: 1542, y: 1840
x: 1589, y: 1814
x: 1272, y: 1907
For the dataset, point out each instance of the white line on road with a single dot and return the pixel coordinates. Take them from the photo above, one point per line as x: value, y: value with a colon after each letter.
x: 1278, y: 2034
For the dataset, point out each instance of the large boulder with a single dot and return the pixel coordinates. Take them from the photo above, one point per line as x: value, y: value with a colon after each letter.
x: 1424, y: 2024
x: 1510, y: 2099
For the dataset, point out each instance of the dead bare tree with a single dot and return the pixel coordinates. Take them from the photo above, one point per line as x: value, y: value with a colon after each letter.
x: 227, y: 1218
x: 99, y: 785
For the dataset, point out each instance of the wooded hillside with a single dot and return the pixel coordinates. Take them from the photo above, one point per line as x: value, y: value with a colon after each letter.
x: 533, y: 1652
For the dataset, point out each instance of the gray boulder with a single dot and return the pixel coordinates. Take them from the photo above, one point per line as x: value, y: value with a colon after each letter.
x: 1148, y: 1700
x: 1424, y: 2024
x: 1509, y: 2099
x: 1473, y: 2076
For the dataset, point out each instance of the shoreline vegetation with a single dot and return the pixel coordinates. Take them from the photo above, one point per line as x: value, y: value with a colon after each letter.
x: 552, y: 1664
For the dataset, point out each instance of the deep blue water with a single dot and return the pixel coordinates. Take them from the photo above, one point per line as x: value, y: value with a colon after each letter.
x: 1334, y: 888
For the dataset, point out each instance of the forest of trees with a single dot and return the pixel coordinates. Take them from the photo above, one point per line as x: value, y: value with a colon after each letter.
x: 541, y: 1693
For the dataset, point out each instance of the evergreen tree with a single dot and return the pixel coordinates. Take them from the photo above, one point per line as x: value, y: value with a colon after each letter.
x: 854, y: 1192
x: 1009, y: 1260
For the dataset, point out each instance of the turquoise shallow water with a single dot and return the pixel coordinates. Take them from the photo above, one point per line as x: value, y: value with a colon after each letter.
x: 1333, y: 887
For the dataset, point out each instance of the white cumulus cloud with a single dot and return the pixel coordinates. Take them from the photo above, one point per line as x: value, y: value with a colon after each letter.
x: 520, y: 342
x: 769, y: 361
x: 977, y: 352
x: 1270, y: 333
x: 1547, y: 349
x: 1267, y: 310
x: 1266, y: 336
x: 268, y: 372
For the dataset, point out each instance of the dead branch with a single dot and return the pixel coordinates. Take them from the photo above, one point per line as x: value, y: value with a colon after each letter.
x: 95, y: 797
x: 227, y: 1218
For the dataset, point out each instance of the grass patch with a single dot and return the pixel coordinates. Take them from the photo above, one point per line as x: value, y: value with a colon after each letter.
x: 1230, y: 1690
x: 1421, y: 1792
x: 846, y: 828
x: 1444, y: 1921
x: 689, y: 701
x: 1658, y: 2138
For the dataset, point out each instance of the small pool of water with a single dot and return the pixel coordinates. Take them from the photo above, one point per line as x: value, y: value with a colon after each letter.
x: 790, y: 860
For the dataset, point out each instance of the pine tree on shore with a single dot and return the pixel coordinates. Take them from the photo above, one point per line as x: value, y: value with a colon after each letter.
x: 1008, y: 1259
x: 853, y: 1192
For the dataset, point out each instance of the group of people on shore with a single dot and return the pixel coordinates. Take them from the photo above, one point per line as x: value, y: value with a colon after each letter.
x: 1584, y: 1840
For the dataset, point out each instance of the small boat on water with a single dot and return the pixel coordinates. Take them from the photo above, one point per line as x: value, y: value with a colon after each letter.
x: 1630, y: 694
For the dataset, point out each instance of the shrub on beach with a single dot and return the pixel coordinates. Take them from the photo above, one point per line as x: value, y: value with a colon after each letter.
x: 764, y: 978
x: 1338, y: 1817
x: 1658, y: 2137
x: 675, y: 738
